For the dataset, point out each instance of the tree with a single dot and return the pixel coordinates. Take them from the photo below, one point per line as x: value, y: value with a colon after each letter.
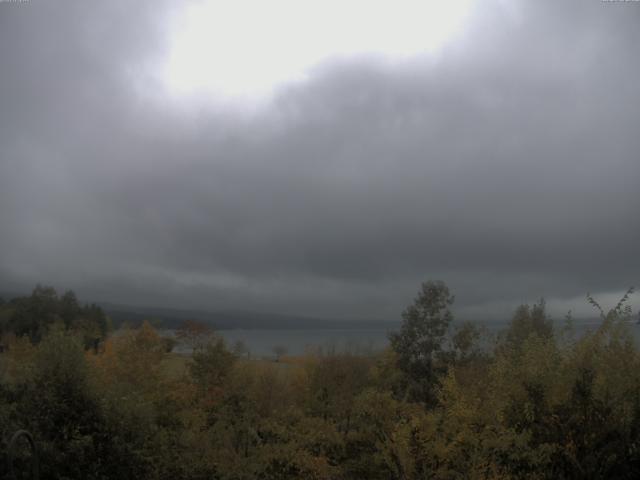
x: 92, y: 323
x: 333, y: 383
x: 279, y: 351
x: 69, y: 308
x: 57, y: 402
x: 169, y: 344
x: 211, y: 364
x: 419, y: 343
x: 240, y: 349
x: 528, y: 321
x: 194, y: 334
x: 466, y: 343
x: 34, y: 315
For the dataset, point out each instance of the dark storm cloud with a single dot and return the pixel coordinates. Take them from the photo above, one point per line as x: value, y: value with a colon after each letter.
x: 508, y: 167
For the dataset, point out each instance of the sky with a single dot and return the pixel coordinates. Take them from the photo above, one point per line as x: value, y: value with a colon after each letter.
x: 318, y: 159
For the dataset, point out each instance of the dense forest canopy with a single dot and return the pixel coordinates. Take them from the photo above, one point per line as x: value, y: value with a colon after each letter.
x: 34, y: 315
x: 442, y: 401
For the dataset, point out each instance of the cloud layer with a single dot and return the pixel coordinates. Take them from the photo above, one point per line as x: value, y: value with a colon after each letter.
x: 508, y: 166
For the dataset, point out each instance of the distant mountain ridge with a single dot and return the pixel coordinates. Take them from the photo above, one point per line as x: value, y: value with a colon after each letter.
x: 170, y: 318
x: 232, y: 319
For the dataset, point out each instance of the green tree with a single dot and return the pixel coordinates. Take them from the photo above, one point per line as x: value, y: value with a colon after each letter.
x: 92, y: 323
x: 419, y: 344
x: 526, y: 321
x: 34, y: 315
x: 465, y: 343
x: 69, y: 308
x: 211, y: 364
x: 57, y: 402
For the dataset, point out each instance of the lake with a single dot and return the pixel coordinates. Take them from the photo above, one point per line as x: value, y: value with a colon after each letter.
x: 260, y: 342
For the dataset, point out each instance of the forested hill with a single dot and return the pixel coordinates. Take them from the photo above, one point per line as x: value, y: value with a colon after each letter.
x: 33, y: 315
x: 171, y: 318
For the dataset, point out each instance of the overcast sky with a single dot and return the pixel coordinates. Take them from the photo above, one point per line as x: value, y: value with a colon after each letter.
x: 505, y: 160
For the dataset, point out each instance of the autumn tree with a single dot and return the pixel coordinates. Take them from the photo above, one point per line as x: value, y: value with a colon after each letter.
x: 194, y: 334
x: 334, y: 381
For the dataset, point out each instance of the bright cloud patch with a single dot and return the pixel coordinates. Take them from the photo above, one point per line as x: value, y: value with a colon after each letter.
x: 246, y: 48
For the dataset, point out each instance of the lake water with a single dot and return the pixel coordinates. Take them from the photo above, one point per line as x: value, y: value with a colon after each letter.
x: 260, y: 342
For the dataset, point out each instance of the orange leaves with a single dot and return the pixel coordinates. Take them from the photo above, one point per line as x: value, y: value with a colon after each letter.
x: 132, y: 357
